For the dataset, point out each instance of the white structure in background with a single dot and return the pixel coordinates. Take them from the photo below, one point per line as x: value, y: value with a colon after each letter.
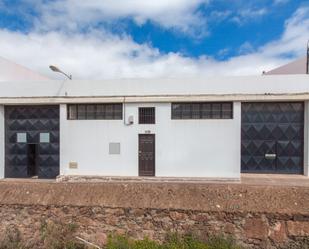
x: 295, y: 67
x: 194, y: 127
x: 10, y: 71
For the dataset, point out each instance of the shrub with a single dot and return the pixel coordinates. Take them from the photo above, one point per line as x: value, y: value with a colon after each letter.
x: 220, y: 242
x: 12, y: 239
x: 57, y: 235
x: 173, y: 241
x: 146, y: 244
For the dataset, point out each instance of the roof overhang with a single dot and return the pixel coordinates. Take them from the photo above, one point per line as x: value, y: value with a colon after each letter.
x: 156, y: 98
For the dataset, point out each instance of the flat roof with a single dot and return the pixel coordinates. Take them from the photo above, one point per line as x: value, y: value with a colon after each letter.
x: 159, y: 89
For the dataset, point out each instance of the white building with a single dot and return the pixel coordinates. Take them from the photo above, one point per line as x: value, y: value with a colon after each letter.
x: 189, y: 127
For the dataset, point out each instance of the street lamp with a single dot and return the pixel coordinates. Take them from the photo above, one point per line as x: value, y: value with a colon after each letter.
x: 57, y: 70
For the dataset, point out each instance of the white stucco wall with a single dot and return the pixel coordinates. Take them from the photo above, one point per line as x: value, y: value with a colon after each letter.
x: 184, y: 148
x: 2, y: 142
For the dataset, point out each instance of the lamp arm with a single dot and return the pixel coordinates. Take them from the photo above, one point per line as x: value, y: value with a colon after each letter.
x: 69, y: 76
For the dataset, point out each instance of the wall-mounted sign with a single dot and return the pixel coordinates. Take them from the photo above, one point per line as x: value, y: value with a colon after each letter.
x: 73, y: 165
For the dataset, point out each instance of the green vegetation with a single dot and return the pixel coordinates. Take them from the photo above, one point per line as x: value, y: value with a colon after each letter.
x: 11, y: 239
x: 57, y: 235
x: 172, y: 242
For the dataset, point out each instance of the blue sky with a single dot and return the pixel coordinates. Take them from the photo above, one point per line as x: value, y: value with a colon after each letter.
x: 137, y: 38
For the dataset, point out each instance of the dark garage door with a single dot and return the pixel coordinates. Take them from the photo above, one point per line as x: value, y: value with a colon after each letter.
x: 32, y: 156
x: 272, y: 138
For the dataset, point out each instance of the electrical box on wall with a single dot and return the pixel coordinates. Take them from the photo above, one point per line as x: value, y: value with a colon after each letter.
x: 131, y: 120
x: 114, y: 148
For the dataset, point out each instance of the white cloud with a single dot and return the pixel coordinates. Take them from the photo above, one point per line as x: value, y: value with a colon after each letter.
x: 182, y: 15
x: 245, y: 15
x: 281, y: 1
x: 246, y: 48
x: 101, y: 55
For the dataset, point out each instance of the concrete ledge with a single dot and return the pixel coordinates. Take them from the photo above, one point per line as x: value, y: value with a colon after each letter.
x: 227, y: 197
x: 81, y: 178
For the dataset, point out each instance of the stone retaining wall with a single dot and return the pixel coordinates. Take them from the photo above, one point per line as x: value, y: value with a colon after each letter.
x: 255, y: 230
x: 259, y: 217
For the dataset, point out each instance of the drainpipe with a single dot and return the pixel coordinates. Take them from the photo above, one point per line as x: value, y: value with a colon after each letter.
x: 125, y: 122
x: 124, y: 111
x: 307, y: 65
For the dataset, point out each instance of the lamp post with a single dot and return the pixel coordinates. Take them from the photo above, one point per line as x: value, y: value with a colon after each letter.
x: 57, y: 70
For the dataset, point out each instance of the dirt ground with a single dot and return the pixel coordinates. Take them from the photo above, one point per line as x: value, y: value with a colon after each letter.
x: 251, y: 195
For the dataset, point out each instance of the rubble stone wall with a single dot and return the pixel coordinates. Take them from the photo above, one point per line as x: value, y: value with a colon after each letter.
x: 243, y: 212
x: 255, y: 230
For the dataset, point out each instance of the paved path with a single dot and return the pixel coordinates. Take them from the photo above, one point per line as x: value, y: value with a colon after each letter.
x: 247, y: 179
x: 270, y: 180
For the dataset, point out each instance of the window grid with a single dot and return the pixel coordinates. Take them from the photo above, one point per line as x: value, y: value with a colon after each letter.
x: 94, y: 111
x: 202, y: 110
x: 146, y: 115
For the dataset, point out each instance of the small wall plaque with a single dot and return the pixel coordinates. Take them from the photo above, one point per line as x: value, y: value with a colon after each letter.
x: 270, y: 156
x: 73, y: 165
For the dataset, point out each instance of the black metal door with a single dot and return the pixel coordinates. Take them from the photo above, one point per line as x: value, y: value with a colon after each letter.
x: 272, y: 137
x: 146, y: 154
x: 21, y: 157
x: 32, y: 154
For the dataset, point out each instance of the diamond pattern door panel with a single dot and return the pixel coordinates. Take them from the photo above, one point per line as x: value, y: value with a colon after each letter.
x: 31, y: 120
x: 272, y: 137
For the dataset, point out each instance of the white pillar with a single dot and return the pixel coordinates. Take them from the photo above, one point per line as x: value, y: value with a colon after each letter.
x: 63, y: 125
x: 2, y: 142
x: 237, y: 118
x: 306, y: 140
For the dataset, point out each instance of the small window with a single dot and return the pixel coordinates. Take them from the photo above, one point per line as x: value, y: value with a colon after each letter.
x: 146, y: 115
x: 202, y: 110
x: 100, y: 110
x: 72, y: 112
x: 206, y: 111
x: 109, y: 111
x: 186, y: 111
x: 94, y: 111
x: 176, y: 111
x: 216, y: 110
x: 227, y: 111
x: 90, y: 112
x: 21, y: 137
x: 196, y: 112
x: 44, y: 137
x: 81, y: 111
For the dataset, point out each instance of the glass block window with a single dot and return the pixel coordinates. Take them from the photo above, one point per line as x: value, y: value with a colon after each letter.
x: 146, y: 115
x: 44, y: 137
x: 21, y: 137
x: 202, y: 110
x: 94, y: 111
